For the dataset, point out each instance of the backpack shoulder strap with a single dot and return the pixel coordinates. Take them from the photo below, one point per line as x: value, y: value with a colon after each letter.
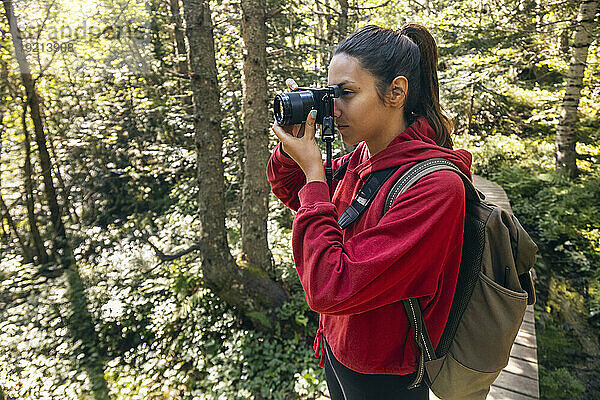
x: 426, y: 167
x: 341, y: 171
x: 365, y: 196
x: 412, y: 306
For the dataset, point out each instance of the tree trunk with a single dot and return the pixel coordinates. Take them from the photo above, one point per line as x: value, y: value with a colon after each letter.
x: 330, y: 29
x: 180, y: 51
x: 182, y: 66
x: 5, y: 214
x: 65, y: 192
x: 343, y: 21
x: 255, y: 190
x: 248, y: 289
x: 41, y: 257
x: 342, y: 32
x: 80, y: 321
x: 155, y: 28
x: 566, y: 137
x: 470, y: 110
x: 26, y: 250
x: 4, y: 210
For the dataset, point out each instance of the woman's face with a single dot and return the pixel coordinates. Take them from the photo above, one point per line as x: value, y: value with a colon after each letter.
x: 359, y: 112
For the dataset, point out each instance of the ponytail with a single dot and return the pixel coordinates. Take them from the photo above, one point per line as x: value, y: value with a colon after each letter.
x: 411, y: 52
x: 429, y: 96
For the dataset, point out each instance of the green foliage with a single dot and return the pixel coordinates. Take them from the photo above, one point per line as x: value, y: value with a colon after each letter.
x: 555, y: 346
x: 562, y: 216
x: 121, y: 136
x: 559, y: 384
x: 565, y: 216
x: 162, y: 334
x: 594, y: 292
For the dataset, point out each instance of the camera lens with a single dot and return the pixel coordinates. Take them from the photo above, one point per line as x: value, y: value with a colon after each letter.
x: 281, y: 104
x: 293, y: 107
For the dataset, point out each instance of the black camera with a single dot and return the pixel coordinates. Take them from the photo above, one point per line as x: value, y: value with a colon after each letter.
x: 293, y: 107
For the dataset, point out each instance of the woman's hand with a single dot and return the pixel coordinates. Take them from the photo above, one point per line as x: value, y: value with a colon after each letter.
x: 299, y: 142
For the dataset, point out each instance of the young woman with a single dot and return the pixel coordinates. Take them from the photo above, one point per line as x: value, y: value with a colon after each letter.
x: 356, y: 278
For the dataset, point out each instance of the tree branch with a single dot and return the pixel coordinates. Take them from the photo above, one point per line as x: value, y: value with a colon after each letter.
x: 274, y: 13
x: 170, y: 257
x: 178, y: 75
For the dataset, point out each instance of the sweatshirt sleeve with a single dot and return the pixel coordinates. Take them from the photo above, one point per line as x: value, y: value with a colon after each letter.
x: 401, y: 257
x: 287, y: 178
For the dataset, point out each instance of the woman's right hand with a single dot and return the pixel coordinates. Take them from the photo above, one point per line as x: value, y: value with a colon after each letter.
x: 298, y: 129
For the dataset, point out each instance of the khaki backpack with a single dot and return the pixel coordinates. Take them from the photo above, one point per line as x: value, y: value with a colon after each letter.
x: 493, y: 289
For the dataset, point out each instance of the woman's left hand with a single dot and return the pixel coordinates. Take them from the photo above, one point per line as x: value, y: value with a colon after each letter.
x: 304, y: 150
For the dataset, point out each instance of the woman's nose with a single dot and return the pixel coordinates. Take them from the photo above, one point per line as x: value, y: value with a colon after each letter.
x: 337, y: 112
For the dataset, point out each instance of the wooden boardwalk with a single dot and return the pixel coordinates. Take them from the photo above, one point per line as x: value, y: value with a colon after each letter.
x: 519, y: 380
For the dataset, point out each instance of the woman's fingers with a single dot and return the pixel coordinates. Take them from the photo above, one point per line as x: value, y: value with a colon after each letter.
x: 304, y: 150
x: 299, y: 131
x: 286, y: 134
x: 294, y: 130
x: 291, y: 84
x: 309, y: 129
x: 283, y: 136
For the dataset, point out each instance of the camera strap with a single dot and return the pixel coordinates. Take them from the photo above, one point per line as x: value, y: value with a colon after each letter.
x: 365, y: 196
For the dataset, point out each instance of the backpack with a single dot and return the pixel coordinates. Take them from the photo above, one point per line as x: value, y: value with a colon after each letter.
x: 493, y: 289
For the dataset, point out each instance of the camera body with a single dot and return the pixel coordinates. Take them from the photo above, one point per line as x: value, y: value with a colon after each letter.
x: 292, y: 108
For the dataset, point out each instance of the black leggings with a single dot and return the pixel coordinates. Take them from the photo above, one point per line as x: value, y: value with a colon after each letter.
x: 346, y: 384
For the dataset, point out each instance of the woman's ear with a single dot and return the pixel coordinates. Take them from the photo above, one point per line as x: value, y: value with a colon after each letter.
x: 398, y: 91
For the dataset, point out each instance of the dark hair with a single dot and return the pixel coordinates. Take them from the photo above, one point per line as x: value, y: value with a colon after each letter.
x: 411, y: 52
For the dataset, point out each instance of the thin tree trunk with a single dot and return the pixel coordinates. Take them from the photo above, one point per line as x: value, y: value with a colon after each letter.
x: 155, y: 28
x: 26, y: 250
x: 5, y: 214
x: 180, y: 51
x: 292, y: 31
x: 255, y: 190
x: 4, y: 210
x: 470, y: 110
x: 566, y: 137
x: 248, y: 289
x: 182, y: 66
x: 318, y: 37
x: 41, y: 257
x: 331, y: 28
x: 80, y: 324
x: 343, y: 20
x: 342, y: 32
x: 68, y: 208
x: 4, y: 235
x: 565, y: 39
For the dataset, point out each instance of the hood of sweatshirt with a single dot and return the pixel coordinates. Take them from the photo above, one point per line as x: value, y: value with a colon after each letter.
x: 415, y: 144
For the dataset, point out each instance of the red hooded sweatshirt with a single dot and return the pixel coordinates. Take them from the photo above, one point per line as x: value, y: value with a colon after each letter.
x: 356, y: 278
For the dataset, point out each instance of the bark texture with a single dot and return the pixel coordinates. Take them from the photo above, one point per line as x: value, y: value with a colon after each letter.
x: 182, y: 62
x: 342, y: 31
x: 179, y: 34
x: 26, y: 250
x: 246, y: 288
x: 255, y: 190
x: 80, y: 321
x: 566, y: 137
x: 343, y: 21
x: 41, y: 257
x: 5, y: 214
